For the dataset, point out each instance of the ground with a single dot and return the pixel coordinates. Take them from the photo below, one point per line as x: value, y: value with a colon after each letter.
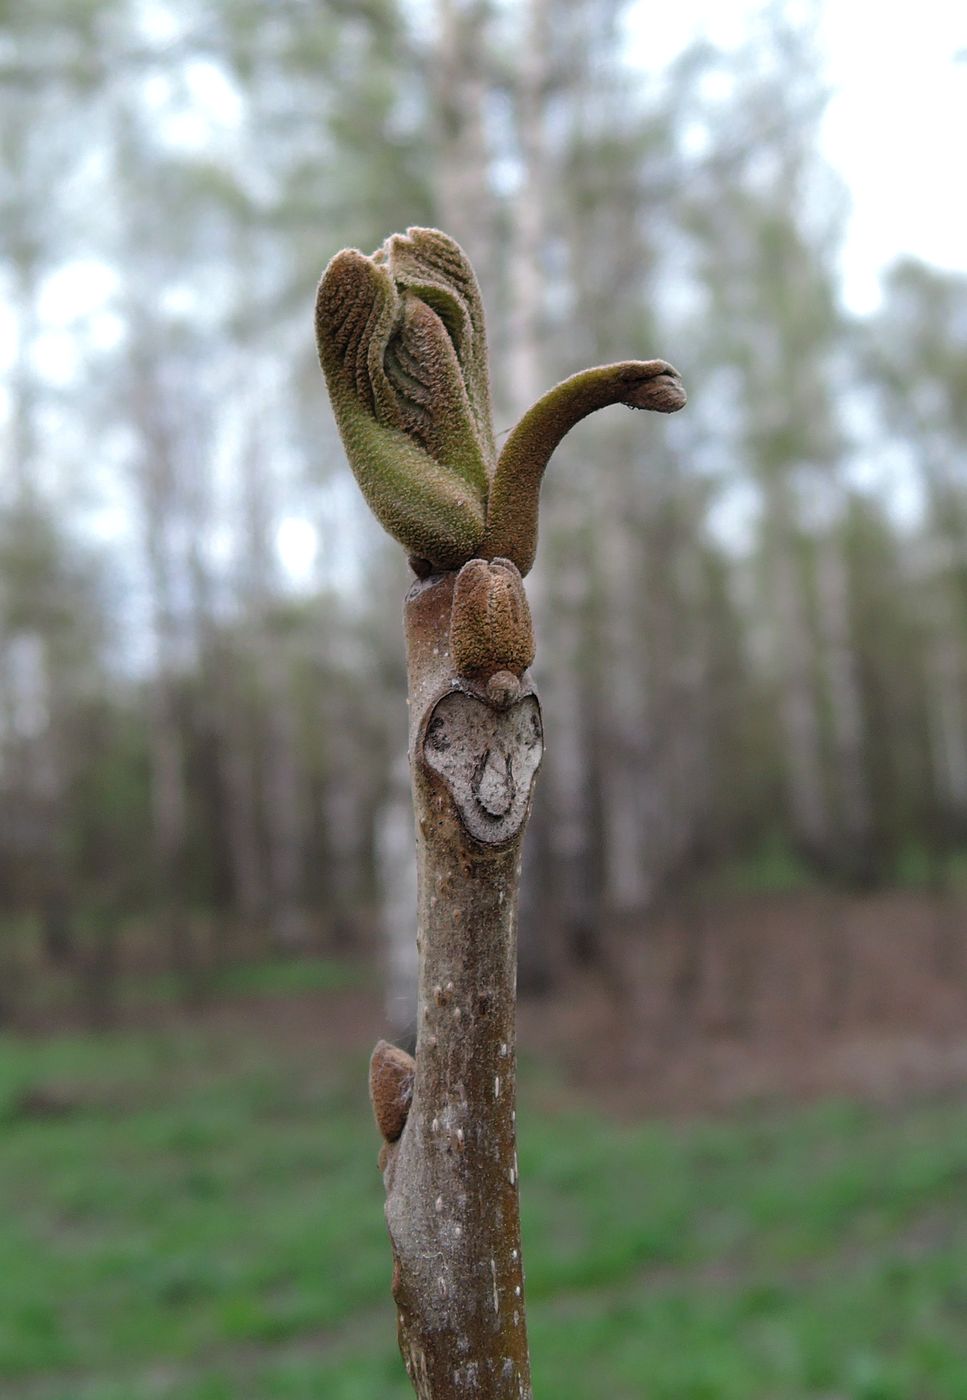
x: 191, y: 1210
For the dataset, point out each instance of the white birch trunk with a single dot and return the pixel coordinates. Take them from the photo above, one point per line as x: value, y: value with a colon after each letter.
x: 846, y: 713
x: 559, y: 586
x: 794, y: 660
x: 395, y: 841
x: 462, y: 185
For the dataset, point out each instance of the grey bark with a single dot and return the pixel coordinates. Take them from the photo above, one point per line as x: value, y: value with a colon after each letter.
x: 451, y: 1178
x: 629, y: 813
x: 463, y: 187
x: 946, y: 670
x: 241, y: 800
x: 559, y: 589
x: 222, y: 703
x: 846, y: 713
x: 798, y: 712
x: 169, y: 802
x: 283, y: 795
x: 398, y: 895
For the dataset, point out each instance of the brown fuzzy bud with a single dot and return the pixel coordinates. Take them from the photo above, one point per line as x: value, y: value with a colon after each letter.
x: 490, y: 624
x: 391, y: 1072
x: 503, y: 689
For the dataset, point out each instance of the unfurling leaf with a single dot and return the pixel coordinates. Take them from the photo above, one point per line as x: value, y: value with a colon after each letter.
x: 401, y: 343
x: 403, y: 347
x: 515, y: 491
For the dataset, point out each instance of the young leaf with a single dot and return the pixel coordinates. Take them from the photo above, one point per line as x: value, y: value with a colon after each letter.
x: 515, y: 491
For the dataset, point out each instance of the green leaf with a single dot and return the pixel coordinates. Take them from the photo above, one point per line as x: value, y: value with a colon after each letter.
x: 401, y: 400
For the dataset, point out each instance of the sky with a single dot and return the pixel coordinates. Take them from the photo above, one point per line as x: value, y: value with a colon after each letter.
x: 895, y: 128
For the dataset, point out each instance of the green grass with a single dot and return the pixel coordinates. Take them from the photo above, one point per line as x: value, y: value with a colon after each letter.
x: 55, y: 992
x: 774, y: 868
x: 266, y: 978
x: 205, y: 1223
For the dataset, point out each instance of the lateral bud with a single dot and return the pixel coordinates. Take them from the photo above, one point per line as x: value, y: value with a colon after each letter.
x: 391, y: 1072
x: 490, y: 623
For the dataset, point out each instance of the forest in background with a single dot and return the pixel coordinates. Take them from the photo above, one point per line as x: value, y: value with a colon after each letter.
x: 753, y: 654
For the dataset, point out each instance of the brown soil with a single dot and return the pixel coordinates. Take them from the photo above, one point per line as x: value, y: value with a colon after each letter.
x: 749, y: 1000
x: 768, y: 999
x: 757, y: 999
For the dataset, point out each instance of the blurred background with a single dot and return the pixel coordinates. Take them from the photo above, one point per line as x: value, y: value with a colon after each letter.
x: 744, y: 917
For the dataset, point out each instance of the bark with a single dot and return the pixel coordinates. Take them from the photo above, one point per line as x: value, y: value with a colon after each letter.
x: 32, y: 761
x: 397, y: 880
x: 169, y: 797
x: 170, y: 819
x: 560, y: 589
x: 845, y: 705
x: 463, y: 153
x: 688, y: 623
x: 945, y: 692
x: 159, y: 485
x: 799, y: 717
x: 347, y: 820
x: 241, y: 804
x: 22, y: 421
x: 629, y: 810
x: 525, y: 372
x: 283, y: 796
x: 222, y: 705
x: 451, y: 1178
x: 946, y: 661
x: 569, y: 922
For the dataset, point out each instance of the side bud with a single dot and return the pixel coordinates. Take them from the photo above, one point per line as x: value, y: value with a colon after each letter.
x: 490, y: 623
x: 391, y: 1072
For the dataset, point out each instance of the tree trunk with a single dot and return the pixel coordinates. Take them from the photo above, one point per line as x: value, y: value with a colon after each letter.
x: 798, y: 714
x: 170, y: 817
x: 569, y: 912
x: 159, y: 487
x: 845, y: 704
x: 465, y: 203
x: 945, y: 698
x: 241, y: 802
x: 451, y: 1178
x: 169, y: 797
x: 222, y: 703
x: 283, y: 798
x: 628, y: 777
x: 397, y: 890
x: 559, y: 589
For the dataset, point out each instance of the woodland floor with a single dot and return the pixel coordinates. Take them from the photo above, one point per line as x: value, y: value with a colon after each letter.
x: 753, y: 1200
